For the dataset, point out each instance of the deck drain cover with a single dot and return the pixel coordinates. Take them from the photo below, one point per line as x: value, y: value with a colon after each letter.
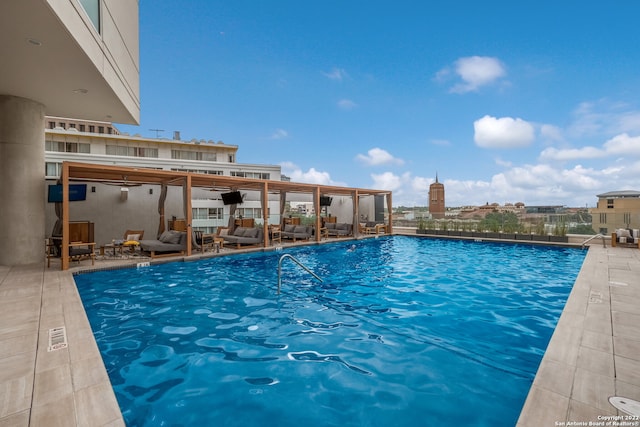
x: 57, y: 338
x: 628, y: 406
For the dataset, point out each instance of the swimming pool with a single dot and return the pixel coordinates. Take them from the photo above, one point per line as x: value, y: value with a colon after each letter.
x: 402, y: 332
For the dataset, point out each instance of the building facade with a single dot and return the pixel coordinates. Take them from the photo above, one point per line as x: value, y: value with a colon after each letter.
x: 102, y: 143
x: 436, y: 200
x: 616, y: 209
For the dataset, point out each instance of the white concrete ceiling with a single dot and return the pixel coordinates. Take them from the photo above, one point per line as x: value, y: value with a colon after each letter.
x: 41, y: 61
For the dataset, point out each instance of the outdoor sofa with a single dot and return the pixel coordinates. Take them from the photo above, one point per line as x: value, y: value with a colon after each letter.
x: 169, y: 243
x: 245, y: 237
x: 297, y: 232
x: 340, y: 229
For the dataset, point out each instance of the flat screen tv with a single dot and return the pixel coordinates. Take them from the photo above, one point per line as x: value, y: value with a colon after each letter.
x: 232, y: 198
x: 325, y: 200
x: 77, y: 192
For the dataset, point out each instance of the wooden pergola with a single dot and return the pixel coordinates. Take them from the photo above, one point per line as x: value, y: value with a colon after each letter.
x: 73, y: 171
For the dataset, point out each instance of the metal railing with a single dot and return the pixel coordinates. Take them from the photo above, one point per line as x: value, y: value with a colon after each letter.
x: 604, y: 242
x: 297, y: 262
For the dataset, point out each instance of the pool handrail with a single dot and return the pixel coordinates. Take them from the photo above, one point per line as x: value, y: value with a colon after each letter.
x: 297, y: 262
x: 604, y: 242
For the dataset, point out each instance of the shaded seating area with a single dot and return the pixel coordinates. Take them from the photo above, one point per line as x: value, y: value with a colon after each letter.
x: 245, y: 237
x: 297, y: 232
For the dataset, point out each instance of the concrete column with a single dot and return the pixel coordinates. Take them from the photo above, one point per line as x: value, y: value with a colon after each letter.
x: 22, y: 185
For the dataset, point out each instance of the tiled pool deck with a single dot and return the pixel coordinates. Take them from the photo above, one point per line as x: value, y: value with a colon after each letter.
x: 593, y: 354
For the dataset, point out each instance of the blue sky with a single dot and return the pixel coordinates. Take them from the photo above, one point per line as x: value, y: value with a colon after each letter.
x: 507, y: 101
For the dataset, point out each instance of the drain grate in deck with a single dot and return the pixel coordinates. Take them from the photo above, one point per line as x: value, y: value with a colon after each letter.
x: 57, y: 338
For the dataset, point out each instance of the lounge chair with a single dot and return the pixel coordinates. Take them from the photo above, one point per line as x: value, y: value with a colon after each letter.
x: 169, y: 243
x: 245, y: 237
x: 78, y: 251
x: 339, y: 229
x: 297, y: 232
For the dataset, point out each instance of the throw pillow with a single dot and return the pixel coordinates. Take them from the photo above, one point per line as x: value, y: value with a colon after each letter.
x: 251, y: 232
x: 131, y: 237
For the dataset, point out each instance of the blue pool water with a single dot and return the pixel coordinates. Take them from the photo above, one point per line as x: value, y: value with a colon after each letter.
x: 402, y: 332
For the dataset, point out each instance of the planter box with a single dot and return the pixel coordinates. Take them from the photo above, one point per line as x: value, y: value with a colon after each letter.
x: 492, y: 235
x: 510, y: 236
x: 466, y: 234
x: 559, y: 239
x: 442, y: 232
x: 540, y: 237
x: 479, y: 234
x: 523, y: 236
x: 454, y: 233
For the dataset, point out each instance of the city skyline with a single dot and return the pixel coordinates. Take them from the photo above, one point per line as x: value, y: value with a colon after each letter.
x: 506, y: 103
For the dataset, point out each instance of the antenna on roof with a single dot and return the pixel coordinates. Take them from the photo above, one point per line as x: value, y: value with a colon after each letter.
x: 157, y: 131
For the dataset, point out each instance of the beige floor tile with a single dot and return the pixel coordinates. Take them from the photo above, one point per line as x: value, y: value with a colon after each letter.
x: 592, y: 389
x: 58, y: 413
x: 89, y: 372
x: 596, y: 341
x: 18, y: 345
x: 582, y: 413
x: 97, y: 405
x: 543, y: 408
x: 52, y: 384
x: 596, y: 361
x: 21, y: 419
x: 628, y: 370
x: 555, y: 377
x: 15, y: 395
x: 627, y: 347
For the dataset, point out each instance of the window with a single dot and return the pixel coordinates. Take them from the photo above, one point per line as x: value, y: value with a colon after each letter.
x: 255, y: 175
x: 62, y: 125
x: 609, y: 203
x: 53, y: 170
x: 231, y: 159
x: 92, y: 128
x: 100, y: 129
x: 627, y: 218
x: 249, y: 212
x: 67, y: 147
x: 92, y: 7
x: 206, y: 156
x: 603, y: 218
x: 82, y: 128
x: 52, y: 125
x: 202, y: 171
x: 207, y: 213
x: 118, y: 150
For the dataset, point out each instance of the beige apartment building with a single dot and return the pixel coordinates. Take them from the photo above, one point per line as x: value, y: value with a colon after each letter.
x: 616, y: 209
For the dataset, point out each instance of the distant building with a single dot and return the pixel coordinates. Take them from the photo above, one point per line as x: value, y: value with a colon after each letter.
x: 436, y: 200
x: 616, y: 209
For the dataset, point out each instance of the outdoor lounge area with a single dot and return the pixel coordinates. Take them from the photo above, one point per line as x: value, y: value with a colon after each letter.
x: 171, y: 240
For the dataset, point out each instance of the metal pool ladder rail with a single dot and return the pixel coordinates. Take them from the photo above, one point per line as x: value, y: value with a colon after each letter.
x: 297, y: 262
x: 604, y: 243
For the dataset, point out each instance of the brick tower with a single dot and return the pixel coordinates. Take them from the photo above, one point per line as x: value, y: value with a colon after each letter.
x: 436, y: 199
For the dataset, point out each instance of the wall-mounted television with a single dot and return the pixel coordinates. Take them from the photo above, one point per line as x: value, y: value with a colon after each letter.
x: 77, y: 192
x: 232, y: 198
x: 325, y: 200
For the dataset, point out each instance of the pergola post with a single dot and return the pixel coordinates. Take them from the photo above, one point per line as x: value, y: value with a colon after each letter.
x: 64, y: 247
x: 265, y: 214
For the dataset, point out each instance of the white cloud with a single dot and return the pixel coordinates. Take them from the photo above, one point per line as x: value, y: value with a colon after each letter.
x: 475, y: 72
x: 505, y: 132
x: 346, y: 104
x: 571, y: 153
x: 336, y: 74
x: 378, y: 156
x: 387, y: 181
x: 623, y: 145
x: 279, y: 134
x: 311, y: 176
